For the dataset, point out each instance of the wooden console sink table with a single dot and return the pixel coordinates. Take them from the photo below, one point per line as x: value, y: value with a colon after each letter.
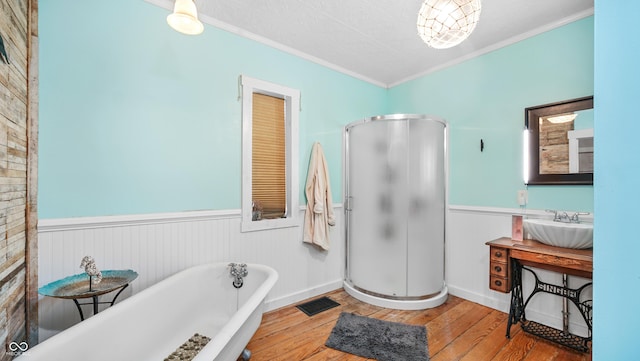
x: 508, y: 259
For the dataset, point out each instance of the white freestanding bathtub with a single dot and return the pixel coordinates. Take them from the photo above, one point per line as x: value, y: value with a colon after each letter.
x: 152, y: 324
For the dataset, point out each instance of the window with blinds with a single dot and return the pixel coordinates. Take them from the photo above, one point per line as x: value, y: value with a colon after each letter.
x: 268, y: 173
x: 270, y: 147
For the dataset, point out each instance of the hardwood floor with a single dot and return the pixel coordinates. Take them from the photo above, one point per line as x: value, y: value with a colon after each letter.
x: 457, y: 330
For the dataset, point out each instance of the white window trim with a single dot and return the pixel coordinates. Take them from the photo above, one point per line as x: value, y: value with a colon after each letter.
x: 574, y: 151
x: 292, y: 106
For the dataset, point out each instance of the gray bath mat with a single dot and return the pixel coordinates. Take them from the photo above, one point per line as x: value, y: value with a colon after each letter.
x: 378, y: 339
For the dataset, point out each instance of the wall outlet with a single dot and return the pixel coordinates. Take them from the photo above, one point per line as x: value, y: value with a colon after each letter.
x: 522, y: 198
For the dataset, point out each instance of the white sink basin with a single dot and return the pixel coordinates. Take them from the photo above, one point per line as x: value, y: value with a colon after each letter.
x: 568, y: 235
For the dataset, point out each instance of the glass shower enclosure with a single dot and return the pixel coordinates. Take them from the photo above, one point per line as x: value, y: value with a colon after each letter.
x: 395, y: 202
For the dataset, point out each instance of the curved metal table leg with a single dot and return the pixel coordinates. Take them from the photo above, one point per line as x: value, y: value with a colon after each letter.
x: 95, y: 302
x: 79, y: 309
x: 118, y: 294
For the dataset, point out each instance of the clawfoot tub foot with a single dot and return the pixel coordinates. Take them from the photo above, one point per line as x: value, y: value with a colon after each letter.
x: 246, y: 355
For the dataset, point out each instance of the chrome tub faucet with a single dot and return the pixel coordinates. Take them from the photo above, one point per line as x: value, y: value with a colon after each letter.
x: 238, y: 271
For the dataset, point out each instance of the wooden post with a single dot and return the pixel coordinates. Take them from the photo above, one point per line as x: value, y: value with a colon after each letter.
x: 32, y: 177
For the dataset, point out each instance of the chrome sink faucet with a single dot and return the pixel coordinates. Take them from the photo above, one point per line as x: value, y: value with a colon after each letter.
x: 564, y: 217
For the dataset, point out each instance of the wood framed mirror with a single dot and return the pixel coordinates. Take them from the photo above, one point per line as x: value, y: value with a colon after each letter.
x: 560, y: 142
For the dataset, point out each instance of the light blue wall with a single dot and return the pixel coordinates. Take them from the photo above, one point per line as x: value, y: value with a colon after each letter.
x: 137, y: 118
x: 484, y: 98
x: 617, y: 161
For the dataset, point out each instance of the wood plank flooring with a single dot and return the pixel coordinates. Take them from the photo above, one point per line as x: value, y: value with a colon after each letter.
x: 457, y: 330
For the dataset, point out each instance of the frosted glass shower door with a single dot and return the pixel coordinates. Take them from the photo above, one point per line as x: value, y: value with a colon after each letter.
x: 378, y: 210
x: 425, y: 224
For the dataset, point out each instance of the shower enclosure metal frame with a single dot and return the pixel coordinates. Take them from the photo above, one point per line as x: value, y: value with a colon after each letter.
x: 389, y: 299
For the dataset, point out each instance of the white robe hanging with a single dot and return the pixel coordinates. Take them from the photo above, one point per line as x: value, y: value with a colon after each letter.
x: 319, y: 213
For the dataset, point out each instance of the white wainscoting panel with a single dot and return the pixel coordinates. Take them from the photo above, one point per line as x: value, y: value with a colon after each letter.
x: 157, y: 246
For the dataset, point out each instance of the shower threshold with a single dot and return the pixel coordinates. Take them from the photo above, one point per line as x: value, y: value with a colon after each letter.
x: 397, y: 303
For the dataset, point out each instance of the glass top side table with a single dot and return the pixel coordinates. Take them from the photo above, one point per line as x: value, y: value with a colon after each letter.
x: 79, y: 286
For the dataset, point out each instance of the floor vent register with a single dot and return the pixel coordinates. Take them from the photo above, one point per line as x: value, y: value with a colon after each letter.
x: 318, y: 305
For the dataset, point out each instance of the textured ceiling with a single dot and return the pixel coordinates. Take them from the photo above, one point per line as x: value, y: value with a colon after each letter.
x: 377, y: 40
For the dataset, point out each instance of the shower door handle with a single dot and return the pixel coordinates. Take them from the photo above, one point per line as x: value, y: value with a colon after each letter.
x: 347, y: 206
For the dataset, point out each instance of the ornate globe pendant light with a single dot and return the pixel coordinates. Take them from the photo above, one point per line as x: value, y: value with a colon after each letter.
x: 443, y: 24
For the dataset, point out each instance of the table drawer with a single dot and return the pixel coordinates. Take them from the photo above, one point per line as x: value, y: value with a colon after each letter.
x: 499, y: 254
x: 499, y: 284
x: 499, y: 269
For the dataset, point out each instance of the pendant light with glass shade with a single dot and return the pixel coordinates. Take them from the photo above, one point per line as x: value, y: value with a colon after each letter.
x: 443, y: 24
x: 184, y: 18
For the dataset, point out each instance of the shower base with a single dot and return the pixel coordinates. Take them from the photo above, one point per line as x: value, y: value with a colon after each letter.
x: 397, y: 303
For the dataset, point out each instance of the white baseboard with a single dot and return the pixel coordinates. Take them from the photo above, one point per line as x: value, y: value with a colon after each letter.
x: 500, y: 303
x: 272, y: 304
